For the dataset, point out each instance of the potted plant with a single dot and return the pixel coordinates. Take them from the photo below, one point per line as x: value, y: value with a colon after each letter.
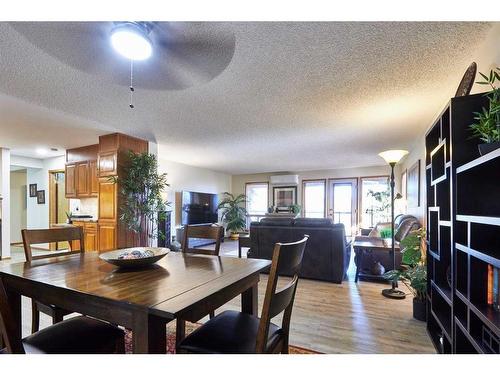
x: 487, y: 125
x: 233, y: 213
x: 295, y: 209
x: 413, y: 272
x: 141, y: 190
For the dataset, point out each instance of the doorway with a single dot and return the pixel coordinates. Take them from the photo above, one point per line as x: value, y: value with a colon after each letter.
x: 58, y: 203
x: 342, y: 203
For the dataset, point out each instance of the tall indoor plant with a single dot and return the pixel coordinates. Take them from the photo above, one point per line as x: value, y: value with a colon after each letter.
x: 141, y: 189
x: 487, y: 125
x: 413, y: 272
x: 233, y: 213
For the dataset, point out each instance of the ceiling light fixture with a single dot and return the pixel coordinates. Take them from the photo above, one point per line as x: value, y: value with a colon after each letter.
x: 130, y: 39
x: 42, y: 151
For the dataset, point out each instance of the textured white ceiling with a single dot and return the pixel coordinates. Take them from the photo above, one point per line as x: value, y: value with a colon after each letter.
x: 295, y: 96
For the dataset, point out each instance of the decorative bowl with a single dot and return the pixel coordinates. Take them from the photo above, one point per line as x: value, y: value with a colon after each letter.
x: 135, y: 256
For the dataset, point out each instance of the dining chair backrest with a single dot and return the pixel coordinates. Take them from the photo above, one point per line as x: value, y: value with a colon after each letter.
x: 286, y: 257
x: 42, y: 236
x: 7, y: 325
x: 205, y: 231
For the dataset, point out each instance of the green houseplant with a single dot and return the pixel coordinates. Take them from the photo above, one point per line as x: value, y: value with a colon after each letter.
x: 233, y: 213
x: 295, y: 209
x: 487, y: 125
x: 413, y: 272
x: 141, y: 190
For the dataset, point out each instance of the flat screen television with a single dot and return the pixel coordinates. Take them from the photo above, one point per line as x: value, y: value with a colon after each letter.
x: 199, y: 208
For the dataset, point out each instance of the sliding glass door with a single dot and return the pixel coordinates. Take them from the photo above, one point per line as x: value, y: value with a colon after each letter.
x: 342, y: 203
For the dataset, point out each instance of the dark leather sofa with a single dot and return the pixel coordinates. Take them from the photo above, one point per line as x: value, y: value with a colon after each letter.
x: 327, y: 253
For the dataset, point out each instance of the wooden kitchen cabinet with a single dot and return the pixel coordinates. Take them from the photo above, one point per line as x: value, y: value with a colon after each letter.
x: 108, y: 164
x: 94, y: 181
x: 82, y: 179
x: 107, y: 234
x: 108, y: 199
x: 70, y: 180
x: 75, y: 245
x: 90, y: 235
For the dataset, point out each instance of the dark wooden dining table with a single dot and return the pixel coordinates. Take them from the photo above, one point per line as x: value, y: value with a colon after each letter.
x: 143, y: 300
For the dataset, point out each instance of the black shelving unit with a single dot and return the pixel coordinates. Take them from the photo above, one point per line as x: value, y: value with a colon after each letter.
x: 463, y: 231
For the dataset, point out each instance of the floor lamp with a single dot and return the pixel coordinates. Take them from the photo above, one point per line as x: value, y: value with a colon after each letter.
x: 392, y: 157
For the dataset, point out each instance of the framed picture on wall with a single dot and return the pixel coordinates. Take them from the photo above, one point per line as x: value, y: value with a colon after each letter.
x: 404, y: 190
x: 284, y: 197
x: 40, y: 197
x: 413, y: 185
x: 33, y: 190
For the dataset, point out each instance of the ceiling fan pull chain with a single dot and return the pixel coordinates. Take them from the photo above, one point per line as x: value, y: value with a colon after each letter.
x: 131, y: 105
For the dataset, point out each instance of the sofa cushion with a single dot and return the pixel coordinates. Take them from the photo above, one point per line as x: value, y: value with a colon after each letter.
x: 313, y: 222
x: 276, y: 221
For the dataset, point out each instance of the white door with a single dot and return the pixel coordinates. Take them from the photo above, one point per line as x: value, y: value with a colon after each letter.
x: 342, y: 203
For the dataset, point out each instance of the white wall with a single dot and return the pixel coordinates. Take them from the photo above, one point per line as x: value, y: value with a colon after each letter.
x: 239, y: 181
x: 18, y: 200
x: 185, y: 177
x: 5, y: 202
x: 38, y: 214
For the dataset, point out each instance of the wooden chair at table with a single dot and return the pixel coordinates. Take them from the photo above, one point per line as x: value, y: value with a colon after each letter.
x: 78, y: 335
x: 209, y: 232
x: 42, y: 236
x: 237, y: 332
x: 204, y: 231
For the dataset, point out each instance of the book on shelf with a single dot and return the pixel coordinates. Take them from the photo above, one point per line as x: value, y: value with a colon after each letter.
x: 493, y: 296
x: 496, y: 289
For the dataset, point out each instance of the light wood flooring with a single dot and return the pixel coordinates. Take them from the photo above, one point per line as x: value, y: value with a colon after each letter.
x: 333, y: 318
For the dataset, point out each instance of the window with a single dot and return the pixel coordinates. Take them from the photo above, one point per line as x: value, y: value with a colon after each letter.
x: 375, y: 201
x: 257, y: 200
x: 314, y: 198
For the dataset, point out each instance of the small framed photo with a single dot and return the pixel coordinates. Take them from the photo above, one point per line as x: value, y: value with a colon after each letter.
x: 284, y: 197
x: 33, y: 190
x: 40, y: 196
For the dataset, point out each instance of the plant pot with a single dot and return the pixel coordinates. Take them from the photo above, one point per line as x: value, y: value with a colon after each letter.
x: 420, y: 309
x: 234, y: 236
x: 485, y: 148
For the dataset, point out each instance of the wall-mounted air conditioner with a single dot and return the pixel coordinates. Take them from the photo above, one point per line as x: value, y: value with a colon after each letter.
x: 284, y: 179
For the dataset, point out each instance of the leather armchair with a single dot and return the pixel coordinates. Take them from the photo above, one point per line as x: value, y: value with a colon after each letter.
x: 403, y: 225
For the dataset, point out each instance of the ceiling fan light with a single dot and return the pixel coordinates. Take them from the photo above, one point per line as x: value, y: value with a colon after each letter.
x: 131, y: 42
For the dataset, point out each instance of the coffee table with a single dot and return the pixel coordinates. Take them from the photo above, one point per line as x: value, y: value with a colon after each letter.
x: 363, y: 244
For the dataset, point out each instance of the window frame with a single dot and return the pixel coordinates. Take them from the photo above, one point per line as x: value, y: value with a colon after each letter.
x: 360, y: 194
x: 256, y: 183
x: 303, y: 195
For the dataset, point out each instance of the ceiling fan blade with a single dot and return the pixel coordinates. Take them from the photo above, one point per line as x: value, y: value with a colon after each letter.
x: 185, y: 54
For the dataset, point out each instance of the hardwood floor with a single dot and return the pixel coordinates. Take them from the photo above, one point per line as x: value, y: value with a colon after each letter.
x: 333, y: 318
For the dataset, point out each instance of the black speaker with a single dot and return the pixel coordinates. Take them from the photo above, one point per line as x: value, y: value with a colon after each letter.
x: 164, y: 228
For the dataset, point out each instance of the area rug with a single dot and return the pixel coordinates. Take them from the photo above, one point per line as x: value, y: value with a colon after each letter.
x: 190, y: 327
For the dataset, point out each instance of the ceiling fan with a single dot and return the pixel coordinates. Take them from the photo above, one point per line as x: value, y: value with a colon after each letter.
x: 166, y: 55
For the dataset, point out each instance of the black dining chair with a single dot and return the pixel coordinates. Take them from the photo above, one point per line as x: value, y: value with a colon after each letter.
x: 233, y: 332
x: 78, y: 335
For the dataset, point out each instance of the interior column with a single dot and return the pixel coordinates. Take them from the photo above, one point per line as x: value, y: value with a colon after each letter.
x: 5, y: 203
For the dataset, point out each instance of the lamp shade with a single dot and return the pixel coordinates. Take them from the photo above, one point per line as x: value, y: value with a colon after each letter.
x: 393, y: 156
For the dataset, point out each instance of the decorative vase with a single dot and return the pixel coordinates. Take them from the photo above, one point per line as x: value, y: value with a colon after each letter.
x: 420, y: 309
x: 377, y: 269
x: 485, y: 148
x: 234, y: 236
